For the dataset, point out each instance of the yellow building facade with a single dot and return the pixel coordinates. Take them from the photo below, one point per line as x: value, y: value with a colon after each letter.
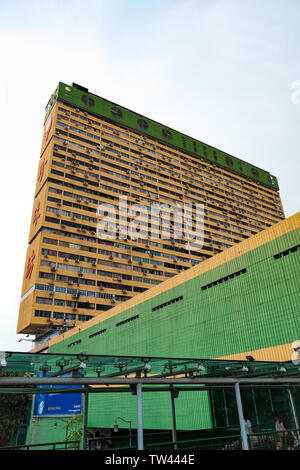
x: 89, y: 156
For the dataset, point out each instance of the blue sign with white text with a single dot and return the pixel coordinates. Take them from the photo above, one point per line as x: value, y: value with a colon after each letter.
x: 53, y: 404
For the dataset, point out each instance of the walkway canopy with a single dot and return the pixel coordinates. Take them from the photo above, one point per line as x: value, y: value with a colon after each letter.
x: 140, y: 374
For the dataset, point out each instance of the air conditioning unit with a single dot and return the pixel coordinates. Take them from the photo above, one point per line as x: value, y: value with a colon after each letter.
x: 53, y: 267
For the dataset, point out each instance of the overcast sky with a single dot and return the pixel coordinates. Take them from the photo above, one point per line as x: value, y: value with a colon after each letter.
x: 226, y: 72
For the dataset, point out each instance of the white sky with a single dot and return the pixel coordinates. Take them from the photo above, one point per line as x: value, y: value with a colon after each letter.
x: 220, y: 70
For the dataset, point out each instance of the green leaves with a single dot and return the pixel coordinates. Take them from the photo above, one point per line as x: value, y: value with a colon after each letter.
x: 13, y: 408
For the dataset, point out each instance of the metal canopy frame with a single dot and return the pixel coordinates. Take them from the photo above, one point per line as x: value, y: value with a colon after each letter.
x: 136, y: 374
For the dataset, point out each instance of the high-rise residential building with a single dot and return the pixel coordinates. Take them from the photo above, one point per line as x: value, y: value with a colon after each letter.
x: 95, y: 152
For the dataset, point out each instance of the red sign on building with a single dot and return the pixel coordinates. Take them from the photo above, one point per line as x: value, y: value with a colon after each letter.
x: 30, y: 265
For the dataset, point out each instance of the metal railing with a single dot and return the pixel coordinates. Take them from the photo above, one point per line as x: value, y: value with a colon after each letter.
x: 210, y: 443
x: 274, y: 440
x: 65, y: 445
x: 267, y: 440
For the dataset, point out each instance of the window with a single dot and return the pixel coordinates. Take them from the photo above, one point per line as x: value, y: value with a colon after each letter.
x: 84, y: 317
x: 47, y: 275
x: 58, y: 315
x: 43, y: 300
x: 287, y: 252
x: 97, y: 333
x: 42, y: 313
x: 167, y: 303
x: 74, y: 342
x: 70, y: 316
x: 224, y: 279
x: 127, y: 320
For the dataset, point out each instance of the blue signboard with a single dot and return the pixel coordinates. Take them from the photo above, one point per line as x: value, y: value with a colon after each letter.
x: 54, y: 404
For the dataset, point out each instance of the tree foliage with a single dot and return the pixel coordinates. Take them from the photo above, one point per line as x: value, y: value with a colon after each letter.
x: 13, y: 408
x: 74, y: 428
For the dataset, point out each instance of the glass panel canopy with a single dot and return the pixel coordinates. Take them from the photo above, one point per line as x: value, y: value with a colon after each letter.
x: 104, y: 366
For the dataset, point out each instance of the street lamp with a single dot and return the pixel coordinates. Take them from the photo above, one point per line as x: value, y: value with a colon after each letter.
x: 116, y: 428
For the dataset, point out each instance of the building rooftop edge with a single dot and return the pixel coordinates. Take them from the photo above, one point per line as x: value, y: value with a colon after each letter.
x: 80, y: 97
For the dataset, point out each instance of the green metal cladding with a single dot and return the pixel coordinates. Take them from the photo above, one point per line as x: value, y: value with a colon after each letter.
x: 81, y: 98
x: 257, y: 308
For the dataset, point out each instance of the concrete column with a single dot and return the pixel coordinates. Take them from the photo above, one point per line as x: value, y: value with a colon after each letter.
x: 241, y: 416
x: 140, y: 431
x: 294, y: 412
x: 174, y: 431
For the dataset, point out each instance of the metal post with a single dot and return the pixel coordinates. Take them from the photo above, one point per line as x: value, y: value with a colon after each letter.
x: 130, y: 435
x: 85, y: 399
x: 130, y: 428
x: 294, y: 411
x: 241, y: 416
x: 140, y: 434
x: 174, y: 431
